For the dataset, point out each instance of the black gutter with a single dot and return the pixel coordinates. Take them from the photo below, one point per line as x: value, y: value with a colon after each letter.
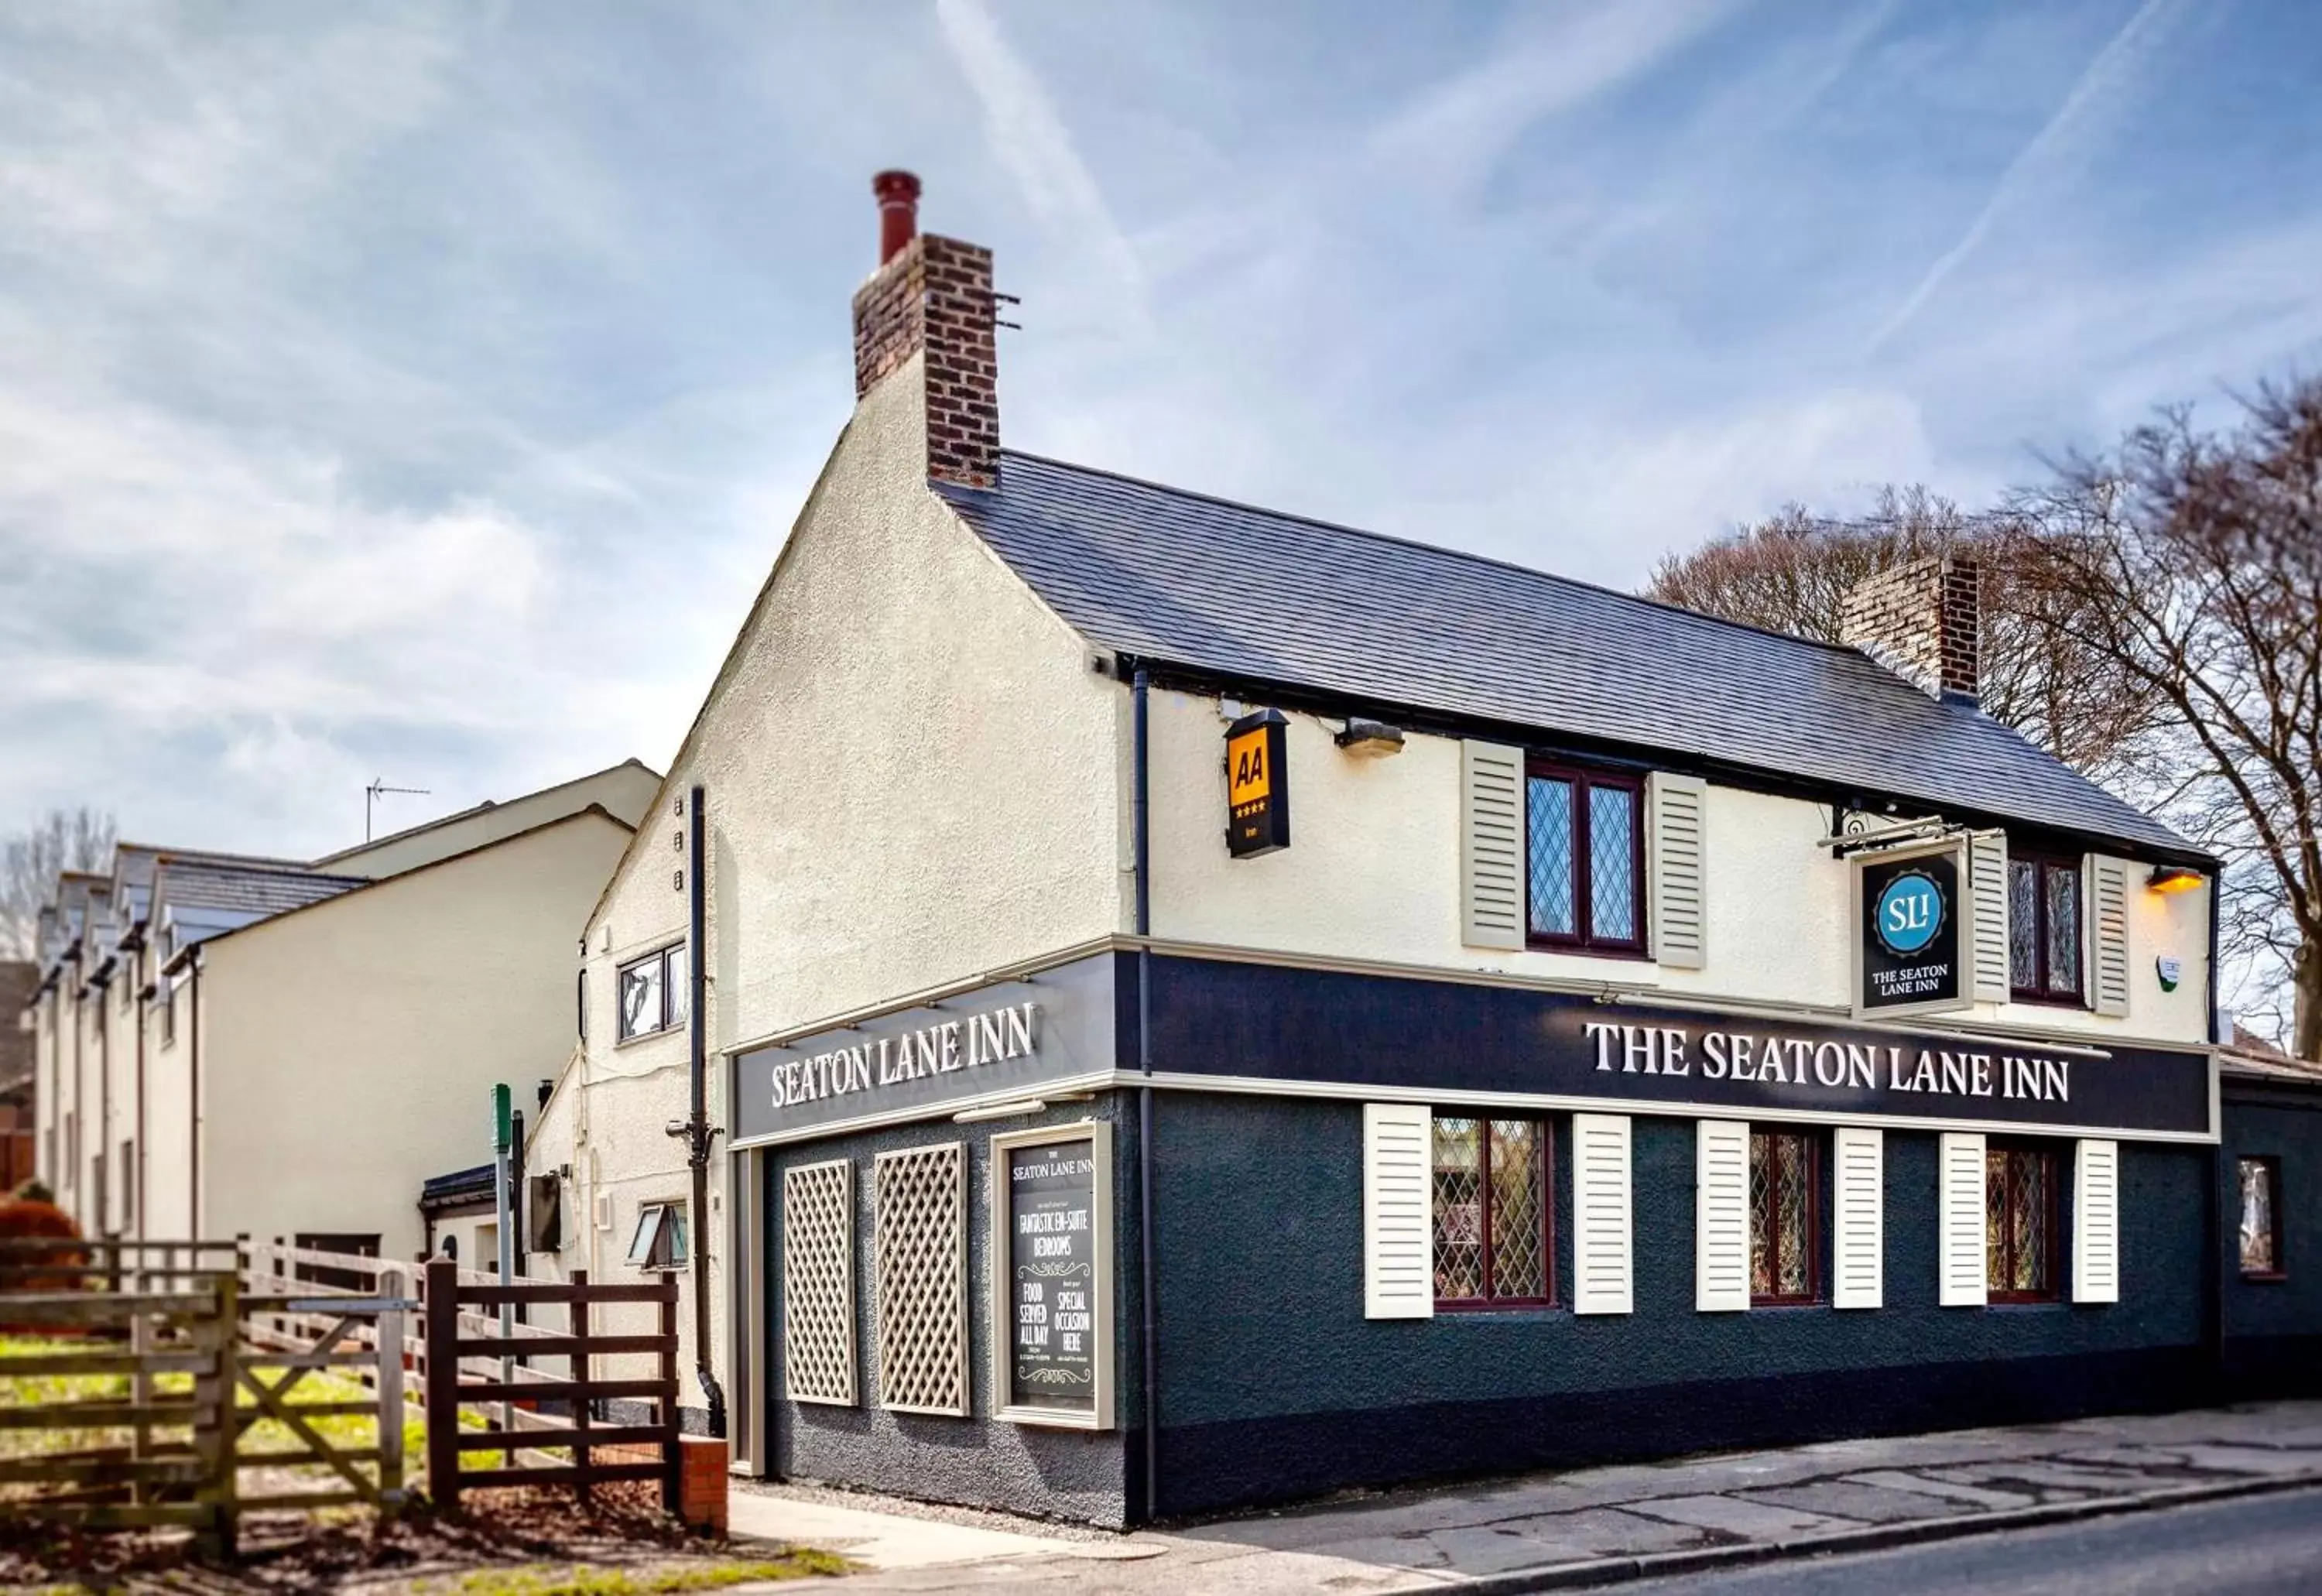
x: 1149, y: 1342
x: 698, y: 1132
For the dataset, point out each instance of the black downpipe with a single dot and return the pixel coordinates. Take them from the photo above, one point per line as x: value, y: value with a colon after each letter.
x: 698, y: 1132
x: 2213, y: 1221
x: 1149, y: 1340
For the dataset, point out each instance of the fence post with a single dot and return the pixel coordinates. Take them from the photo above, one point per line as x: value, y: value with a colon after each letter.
x: 673, y: 1458
x: 443, y: 1384
x: 387, y: 1340
x: 577, y: 1317
x: 216, y: 1432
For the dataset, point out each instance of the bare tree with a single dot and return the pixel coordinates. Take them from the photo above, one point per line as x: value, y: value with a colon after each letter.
x: 30, y: 862
x: 2190, y: 563
x: 1792, y: 573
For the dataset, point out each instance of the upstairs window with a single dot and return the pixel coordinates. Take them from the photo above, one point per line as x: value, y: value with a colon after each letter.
x: 2020, y: 1223
x: 1584, y: 860
x: 1491, y: 1212
x: 2261, y: 1227
x: 653, y: 993
x: 2043, y: 927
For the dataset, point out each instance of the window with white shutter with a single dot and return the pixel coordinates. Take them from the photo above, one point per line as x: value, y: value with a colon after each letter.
x: 1679, y: 807
x: 2108, y: 922
x: 2095, y: 1223
x: 1398, y: 1219
x: 1857, y: 1217
x: 1601, y: 1274
x: 1988, y: 871
x: 1721, y: 1216
x: 1959, y: 1220
x: 1491, y: 845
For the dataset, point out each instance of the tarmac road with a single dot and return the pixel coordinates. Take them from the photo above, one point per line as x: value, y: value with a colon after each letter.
x: 2260, y: 1545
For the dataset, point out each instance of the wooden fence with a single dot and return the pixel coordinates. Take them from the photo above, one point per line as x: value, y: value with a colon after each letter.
x: 560, y: 1414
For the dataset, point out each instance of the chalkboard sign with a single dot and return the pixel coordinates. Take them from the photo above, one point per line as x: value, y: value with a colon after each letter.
x: 1053, y: 1248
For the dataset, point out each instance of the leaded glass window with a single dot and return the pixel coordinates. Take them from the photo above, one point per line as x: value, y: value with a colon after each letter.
x: 1584, y: 860
x: 2261, y: 1227
x: 2043, y: 929
x: 2019, y: 1211
x: 1784, y: 1196
x: 1491, y: 1211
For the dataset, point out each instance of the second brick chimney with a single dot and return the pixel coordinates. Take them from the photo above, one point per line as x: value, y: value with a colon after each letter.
x: 1924, y: 620
x: 932, y: 296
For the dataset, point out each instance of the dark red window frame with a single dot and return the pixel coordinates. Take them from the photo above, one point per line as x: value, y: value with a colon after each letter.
x: 2273, y: 1167
x: 1584, y: 938
x: 1813, y: 1162
x: 1546, y: 1139
x: 2052, y: 1259
x: 2044, y: 865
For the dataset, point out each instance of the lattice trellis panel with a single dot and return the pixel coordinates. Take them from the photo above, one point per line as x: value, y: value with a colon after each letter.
x: 818, y: 1283
x: 921, y: 1242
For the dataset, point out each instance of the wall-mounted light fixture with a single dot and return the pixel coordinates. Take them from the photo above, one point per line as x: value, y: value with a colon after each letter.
x: 999, y: 1111
x: 1370, y: 738
x: 2174, y: 878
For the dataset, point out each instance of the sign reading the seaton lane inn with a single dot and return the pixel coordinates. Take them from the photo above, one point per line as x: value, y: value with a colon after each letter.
x: 949, y: 1045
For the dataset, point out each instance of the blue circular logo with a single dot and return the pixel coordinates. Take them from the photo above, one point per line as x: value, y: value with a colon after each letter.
x: 1910, y: 913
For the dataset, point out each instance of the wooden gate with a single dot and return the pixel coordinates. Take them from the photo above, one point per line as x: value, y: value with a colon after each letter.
x: 291, y: 1328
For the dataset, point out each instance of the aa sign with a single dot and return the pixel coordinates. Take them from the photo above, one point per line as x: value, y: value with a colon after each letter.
x: 1258, y: 785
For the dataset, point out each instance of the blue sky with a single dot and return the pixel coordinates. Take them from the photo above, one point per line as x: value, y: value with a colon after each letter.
x: 423, y: 391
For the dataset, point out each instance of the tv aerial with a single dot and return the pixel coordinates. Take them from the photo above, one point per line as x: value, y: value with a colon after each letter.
x: 377, y: 789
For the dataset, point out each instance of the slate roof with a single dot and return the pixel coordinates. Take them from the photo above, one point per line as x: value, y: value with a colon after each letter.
x: 1177, y: 577
x: 200, y: 899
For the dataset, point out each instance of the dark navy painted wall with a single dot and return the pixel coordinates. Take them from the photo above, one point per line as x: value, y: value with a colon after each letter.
x: 2272, y: 1329
x: 1274, y: 1386
x: 977, y: 1460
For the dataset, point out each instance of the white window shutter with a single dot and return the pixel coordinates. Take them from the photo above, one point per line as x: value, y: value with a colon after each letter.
x: 1398, y: 1212
x: 1958, y: 1220
x: 1988, y: 872
x: 2107, y: 934
x: 1858, y: 1236
x: 1601, y: 1280
x: 1491, y: 908
x: 1680, y: 859
x: 1721, y: 1208
x: 2095, y: 1223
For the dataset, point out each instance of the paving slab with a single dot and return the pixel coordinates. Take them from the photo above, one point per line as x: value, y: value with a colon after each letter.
x: 876, y: 1539
x: 1950, y: 1490
x: 2249, y: 1460
x: 1744, y: 1520
x: 1864, y: 1504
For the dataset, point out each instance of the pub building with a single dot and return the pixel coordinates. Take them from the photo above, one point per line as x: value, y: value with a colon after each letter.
x: 1202, y: 1008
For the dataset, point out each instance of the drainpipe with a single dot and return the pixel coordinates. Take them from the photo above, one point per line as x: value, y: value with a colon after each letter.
x: 699, y: 1132
x: 2214, y: 1223
x: 103, y: 1195
x: 194, y: 1093
x: 137, y: 1175
x: 1148, y: 1340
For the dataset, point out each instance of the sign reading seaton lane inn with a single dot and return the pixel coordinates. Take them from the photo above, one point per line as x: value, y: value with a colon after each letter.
x: 1238, y: 1025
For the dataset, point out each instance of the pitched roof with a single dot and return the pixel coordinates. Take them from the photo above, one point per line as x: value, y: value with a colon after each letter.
x: 200, y: 899
x: 1180, y: 578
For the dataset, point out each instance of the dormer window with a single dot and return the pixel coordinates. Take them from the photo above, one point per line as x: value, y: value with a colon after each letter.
x: 1584, y: 859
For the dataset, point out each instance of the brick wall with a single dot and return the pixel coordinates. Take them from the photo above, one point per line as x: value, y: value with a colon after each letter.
x: 1923, y: 620
x: 935, y: 298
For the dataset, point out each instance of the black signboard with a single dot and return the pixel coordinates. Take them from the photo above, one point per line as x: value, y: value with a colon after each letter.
x: 1258, y: 785
x: 1056, y: 1257
x: 1908, y: 948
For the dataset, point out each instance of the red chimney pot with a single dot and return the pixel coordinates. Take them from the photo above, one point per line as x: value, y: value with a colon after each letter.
x: 899, y: 212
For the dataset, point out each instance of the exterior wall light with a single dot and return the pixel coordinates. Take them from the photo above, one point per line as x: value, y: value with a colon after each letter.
x: 1370, y: 738
x: 999, y: 1111
x: 2174, y: 878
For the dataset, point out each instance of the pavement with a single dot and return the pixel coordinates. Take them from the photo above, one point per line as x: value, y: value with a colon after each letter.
x: 1591, y: 1527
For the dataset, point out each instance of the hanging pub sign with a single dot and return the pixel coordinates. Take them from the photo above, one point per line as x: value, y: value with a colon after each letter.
x: 1908, y: 952
x: 1052, y: 1274
x: 1258, y: 785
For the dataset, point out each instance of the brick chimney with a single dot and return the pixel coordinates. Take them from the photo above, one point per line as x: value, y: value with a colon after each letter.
x: 1923, y: 620
x: 932, y: 296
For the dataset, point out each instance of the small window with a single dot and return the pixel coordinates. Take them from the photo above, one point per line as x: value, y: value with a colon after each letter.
x: 1491, y: 1213
x: 1584, y: 860
x: 653, y: 993
x: 659, y: 1242
x: 1785, y: 1217
x: 581, y: 1003
x: 2020, y: 1224
x: 169, y: 1015
x: 2043, y: 924
x: 2261, y: 1228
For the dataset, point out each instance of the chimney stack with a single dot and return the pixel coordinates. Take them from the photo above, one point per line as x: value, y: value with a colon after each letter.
x: 1923, y: 620
x: 932, y: 297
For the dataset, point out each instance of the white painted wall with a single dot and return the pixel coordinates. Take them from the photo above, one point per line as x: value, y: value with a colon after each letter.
x: 913, y: 775
x: 348, y: 1049
x: 1373, y: 872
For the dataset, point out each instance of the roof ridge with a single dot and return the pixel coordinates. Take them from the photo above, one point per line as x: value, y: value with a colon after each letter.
x: 1443, y: 549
